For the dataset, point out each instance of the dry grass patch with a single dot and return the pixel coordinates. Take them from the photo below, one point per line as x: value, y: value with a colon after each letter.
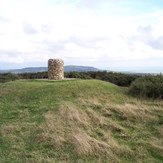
x: 86, y: 145
x: 96, y: 118
x: 133, y: 112
x: 74, y: 116
x: 161, y: 130
x: 53, y: 131
x: 106, y: 112
x: 58, y: 124
x: 157, y: 144
x: 91, y: 102
x: 76, y: 127
x: 11, y: 129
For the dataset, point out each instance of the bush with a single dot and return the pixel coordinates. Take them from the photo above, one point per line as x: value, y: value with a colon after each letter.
x: 35, y: 75
x: 148, y: 86
x: 119, y: 79
x: 80, y: 75
x: 6, y: 77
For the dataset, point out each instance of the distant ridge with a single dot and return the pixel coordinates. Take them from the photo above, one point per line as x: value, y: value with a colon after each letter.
x: 69, y: 68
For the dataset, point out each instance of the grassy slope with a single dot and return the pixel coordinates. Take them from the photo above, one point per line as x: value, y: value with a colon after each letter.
x: 77, y: 121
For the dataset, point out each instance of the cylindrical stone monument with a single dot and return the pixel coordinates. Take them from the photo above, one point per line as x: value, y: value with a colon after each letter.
x: 55, y: 69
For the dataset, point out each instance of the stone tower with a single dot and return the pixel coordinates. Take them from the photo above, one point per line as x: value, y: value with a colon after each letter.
x: 55, y: 69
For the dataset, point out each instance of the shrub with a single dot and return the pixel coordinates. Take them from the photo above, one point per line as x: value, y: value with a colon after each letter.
x: 34, y: 75
x: 6, y: 77
x: 148, y: 86
x: 119, y: 79
x: 80, y: 75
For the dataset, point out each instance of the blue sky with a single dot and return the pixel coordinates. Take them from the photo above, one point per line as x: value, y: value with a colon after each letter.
x: 99, y: 33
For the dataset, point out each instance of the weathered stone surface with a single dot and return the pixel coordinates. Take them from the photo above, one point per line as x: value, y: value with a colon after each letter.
x: 55, y: 69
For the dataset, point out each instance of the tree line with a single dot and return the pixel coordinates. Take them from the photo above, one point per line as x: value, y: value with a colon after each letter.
x: 120, y: 79
x: 140, y: 85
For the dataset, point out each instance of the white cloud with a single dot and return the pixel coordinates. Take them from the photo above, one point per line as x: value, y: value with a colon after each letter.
x: 41, y: 29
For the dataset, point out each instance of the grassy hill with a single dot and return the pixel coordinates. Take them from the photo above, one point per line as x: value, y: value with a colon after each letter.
x: 77, y: 121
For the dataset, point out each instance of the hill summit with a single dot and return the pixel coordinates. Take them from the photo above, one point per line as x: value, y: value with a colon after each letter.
x: 77, y: 121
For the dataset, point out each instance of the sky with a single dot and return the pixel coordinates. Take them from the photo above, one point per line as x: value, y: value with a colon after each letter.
x: 100, y: 33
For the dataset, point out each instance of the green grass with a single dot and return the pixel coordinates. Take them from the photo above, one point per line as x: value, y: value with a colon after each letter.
x: 77, y: 121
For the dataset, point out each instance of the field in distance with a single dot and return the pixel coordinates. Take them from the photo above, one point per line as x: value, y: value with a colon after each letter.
x: 77, y: 121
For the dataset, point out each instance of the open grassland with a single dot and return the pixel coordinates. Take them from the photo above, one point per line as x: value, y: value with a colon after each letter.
x: 77, y: 121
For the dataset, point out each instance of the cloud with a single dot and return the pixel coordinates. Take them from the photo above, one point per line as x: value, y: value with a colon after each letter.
x: 10, y: 56
x: 89, y: 3
x: 3, y: 19
x: 52, y: 47
x: 28, y: 29
x: 148, y: 38
x: 156, y: 43
x: 88, y: 43
x: 145, y: 30
x: 99, y: 33
x: 46, y: 28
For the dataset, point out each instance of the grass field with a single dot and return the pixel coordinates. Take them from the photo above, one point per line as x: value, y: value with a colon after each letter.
x: 77, y: 121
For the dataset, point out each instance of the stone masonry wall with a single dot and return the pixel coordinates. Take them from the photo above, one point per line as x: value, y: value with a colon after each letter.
x: 55, y: 69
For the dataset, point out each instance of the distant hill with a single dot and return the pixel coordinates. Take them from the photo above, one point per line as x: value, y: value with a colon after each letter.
x: 80, y: 68
x: 41, y: 69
